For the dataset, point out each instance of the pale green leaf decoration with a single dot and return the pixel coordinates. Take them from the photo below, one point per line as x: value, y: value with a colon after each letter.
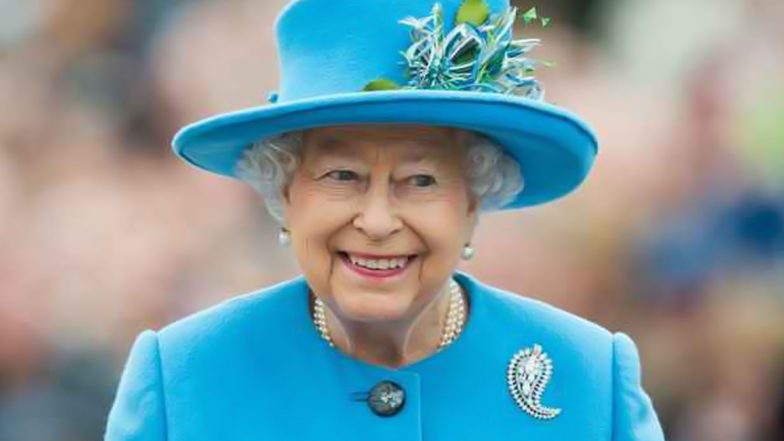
x: 380, y: 84
x: 545, y: 21
x: 474, y: 12
x: 470, y: 57
x: 530, y: 15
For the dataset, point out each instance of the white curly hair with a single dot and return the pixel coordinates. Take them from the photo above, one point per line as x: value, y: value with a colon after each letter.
x: 493, y: 176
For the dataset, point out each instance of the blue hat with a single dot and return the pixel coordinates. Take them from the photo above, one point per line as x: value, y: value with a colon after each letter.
x: 453, y: 63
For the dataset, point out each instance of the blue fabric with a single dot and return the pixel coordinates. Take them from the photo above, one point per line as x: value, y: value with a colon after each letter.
x: 329, y: 50
x: 254, y: 367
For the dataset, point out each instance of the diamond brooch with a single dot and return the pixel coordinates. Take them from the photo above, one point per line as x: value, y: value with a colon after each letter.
x: 528, y: 373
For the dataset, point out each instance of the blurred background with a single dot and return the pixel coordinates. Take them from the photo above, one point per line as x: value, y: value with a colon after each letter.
x: 677, y: 236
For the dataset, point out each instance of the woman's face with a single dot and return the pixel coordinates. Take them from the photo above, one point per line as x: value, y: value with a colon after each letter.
x: 378, y: 217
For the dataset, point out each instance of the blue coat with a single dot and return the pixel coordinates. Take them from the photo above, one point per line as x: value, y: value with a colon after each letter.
x: 255, y: 368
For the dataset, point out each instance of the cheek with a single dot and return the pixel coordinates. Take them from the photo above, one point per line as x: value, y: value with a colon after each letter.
x: 314, y: 216
x: 314, y: 221
x: 440, y: 232
x: 442, y: 227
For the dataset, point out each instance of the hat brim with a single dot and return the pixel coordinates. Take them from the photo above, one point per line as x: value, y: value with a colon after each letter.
x: 555, y: 149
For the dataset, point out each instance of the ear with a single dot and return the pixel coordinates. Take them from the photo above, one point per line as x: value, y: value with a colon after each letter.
x: 474, y: 204
x: 285, y: 203
x: 285, y: 194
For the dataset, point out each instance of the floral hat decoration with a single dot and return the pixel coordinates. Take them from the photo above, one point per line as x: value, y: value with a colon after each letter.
x: 453, y: 63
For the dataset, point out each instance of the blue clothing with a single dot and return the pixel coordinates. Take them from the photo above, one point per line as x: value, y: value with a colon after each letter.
x: 255, y: 368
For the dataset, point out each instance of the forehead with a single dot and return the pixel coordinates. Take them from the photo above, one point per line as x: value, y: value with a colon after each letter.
x: 404, y: 141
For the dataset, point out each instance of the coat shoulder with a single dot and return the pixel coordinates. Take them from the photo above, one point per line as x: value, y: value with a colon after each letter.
x: 249, y: 315
x: 537, y: 316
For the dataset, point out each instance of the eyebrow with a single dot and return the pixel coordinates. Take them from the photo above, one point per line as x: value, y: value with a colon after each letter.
x: 418, y: 156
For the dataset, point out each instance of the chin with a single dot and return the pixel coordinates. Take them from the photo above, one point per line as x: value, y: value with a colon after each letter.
x: 372, y: 307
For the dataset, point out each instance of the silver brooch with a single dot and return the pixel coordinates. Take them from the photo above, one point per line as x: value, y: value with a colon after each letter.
x: 527, y: 375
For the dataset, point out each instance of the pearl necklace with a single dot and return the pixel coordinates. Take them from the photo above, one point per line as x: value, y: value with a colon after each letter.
x: 455, y: 317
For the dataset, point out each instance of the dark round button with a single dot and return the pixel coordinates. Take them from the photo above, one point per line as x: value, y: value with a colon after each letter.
x: 386, y: 398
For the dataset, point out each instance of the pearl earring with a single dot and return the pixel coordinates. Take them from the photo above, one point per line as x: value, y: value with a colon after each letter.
x: 468, y: 252
x: 284, y: 237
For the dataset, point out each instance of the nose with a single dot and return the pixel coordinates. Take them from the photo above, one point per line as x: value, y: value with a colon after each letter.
x: 377, y: 217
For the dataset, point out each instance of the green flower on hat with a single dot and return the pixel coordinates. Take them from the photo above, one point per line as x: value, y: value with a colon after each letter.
x: 477, y: 54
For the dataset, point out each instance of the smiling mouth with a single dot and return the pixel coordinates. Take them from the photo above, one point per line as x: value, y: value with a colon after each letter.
x: 377, y: 267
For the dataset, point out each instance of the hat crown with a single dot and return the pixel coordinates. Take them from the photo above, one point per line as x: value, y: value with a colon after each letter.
x: 330, y: 47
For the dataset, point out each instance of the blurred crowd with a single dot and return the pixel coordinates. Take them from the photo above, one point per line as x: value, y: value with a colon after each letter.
x: 677, y: 236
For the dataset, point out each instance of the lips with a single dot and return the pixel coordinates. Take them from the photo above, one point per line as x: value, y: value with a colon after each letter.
x: 376, y: 266
x: 391, y: 262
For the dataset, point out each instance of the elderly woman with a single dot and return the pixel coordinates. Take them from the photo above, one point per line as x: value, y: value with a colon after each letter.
x: 377, y: 176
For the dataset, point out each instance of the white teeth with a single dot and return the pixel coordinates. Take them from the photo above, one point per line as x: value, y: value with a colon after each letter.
x: 397, y: 262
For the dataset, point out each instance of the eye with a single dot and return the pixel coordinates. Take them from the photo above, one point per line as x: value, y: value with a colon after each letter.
x: 422, y: 180
x: 342, y: 175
